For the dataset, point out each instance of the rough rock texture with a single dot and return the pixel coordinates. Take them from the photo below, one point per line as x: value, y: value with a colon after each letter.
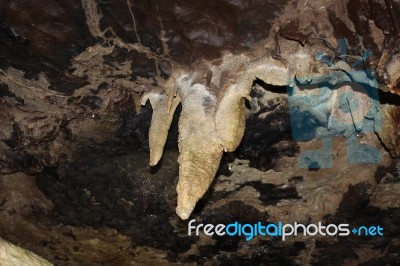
x: 390, y: 133
x: 77, y: 131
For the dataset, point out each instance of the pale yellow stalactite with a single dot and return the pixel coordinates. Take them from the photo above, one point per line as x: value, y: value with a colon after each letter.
x: 230, y: 118
x: 212, y: 120
x: 199, y: 147
x: 163, y: 112
x: 267, y: 69
x: 12, y: 255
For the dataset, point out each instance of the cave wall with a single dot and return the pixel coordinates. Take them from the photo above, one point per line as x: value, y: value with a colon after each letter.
x: 91, y: 91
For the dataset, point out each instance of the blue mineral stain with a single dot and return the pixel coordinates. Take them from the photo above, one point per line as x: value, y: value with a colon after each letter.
x: 313, y: 114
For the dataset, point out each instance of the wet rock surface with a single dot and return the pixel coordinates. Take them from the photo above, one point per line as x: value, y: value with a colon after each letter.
x: 109, y: 196
x: 75, y: 185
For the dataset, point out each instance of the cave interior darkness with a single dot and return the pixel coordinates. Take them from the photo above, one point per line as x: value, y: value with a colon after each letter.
x: 227, y: 100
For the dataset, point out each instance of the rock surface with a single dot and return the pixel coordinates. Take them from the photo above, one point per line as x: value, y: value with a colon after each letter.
x: 90, y: 91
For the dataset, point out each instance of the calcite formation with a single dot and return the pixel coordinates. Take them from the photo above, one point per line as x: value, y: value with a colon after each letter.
x: 211, y: 122
x: 163, y: 112
x: 213, y: 112
x: 11, y: 255
x: 184, y: 53
x: 212, y: 119
x: 213, y: 95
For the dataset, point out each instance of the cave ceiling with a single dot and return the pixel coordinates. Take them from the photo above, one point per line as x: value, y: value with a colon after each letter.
x: 65, y: 61
x: 74, y: 73
x: 159, y: 37
x: 81, y: 58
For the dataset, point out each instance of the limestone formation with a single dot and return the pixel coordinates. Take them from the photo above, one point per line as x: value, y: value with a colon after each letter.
x: 92, y: 92
x: 11, y: 255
